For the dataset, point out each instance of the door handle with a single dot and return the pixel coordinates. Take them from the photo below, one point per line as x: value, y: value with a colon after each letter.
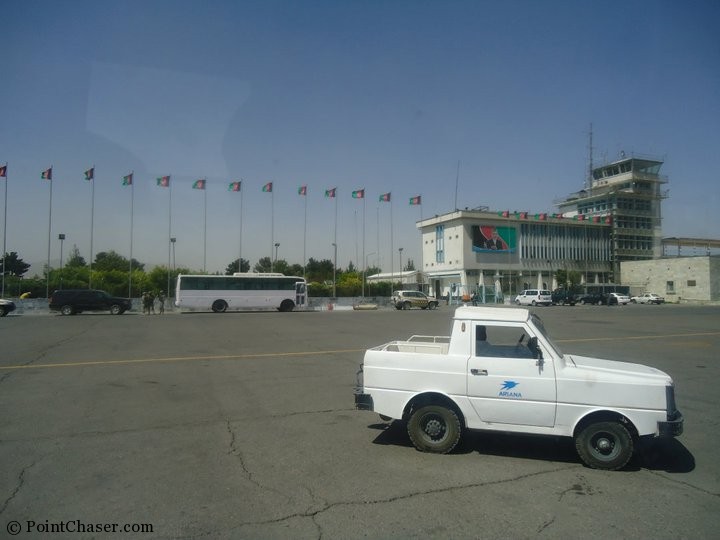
x: 479, y: 371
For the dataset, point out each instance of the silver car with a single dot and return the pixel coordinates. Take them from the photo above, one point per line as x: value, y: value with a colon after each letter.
x: 534, y: 297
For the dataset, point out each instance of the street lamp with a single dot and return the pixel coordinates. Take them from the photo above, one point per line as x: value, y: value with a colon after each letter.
x: 334, y: 245
x: 277, y: 245
x: 401, y: 268
x: 61, y: 237
x: 172, y: 243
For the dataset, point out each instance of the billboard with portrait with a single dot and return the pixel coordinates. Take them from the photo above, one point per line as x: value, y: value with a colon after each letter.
x: 490, y: 241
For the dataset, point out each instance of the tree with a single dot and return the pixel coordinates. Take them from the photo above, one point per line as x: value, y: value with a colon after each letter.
x: 14, y: 266
x: 410, y: 265
x: 75, y: 259
x: 110, y: 260
x: 319, y: 271
x: 233, y: 267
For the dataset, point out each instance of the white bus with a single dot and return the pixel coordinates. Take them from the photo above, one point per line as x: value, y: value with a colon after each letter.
x: 241, y: 291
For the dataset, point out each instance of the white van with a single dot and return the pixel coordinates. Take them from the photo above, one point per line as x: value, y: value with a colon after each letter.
x: 534, y: 297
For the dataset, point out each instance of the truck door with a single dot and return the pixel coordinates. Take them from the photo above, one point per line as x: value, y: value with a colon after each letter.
x: 507, y: 381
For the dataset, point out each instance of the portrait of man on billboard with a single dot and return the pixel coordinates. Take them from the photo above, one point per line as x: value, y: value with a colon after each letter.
x: 488, y: 238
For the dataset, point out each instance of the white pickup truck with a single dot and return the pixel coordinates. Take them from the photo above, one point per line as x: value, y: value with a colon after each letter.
x: 500, y: 371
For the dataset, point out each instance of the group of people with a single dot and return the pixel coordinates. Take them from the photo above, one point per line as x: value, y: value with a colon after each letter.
x: 148, y: 302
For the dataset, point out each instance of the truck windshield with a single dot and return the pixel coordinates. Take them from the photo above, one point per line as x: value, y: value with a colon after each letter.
x: 541, y: 327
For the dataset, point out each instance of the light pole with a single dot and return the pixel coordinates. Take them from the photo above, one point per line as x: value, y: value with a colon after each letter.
x: 172, y: 243
x: 61, y: 237
x: 334, y: 245
x: 401, y: 268
x: 277, y: 245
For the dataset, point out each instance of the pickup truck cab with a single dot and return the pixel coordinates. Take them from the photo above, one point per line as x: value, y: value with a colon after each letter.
x: 500, y: 371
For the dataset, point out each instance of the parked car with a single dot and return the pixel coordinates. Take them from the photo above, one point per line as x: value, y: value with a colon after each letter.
x: 411, y: 299
x: 618, y: 299
x: 6, y: 306
x: 647, y: 298
x: 72, y: 301
x: 534, y: 297
x: 563, y: 297
x: 597, y: 299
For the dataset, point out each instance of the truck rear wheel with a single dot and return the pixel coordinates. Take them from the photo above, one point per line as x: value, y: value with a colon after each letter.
x: 434, y: 428
x: 219, y: 306
x: 605, y: 445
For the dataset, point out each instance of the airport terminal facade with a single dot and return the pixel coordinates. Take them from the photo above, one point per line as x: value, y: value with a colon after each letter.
x: 617, y: 217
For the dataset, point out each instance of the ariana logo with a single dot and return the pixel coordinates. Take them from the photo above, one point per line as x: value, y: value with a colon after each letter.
x: 505, y: 390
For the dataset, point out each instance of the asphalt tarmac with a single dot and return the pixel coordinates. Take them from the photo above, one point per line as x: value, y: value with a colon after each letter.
x: 242, y: 425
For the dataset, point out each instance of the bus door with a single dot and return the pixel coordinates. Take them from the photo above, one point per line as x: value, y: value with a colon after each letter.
x: 300, y: 294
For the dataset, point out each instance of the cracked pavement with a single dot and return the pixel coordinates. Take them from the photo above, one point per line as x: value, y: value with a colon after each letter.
x: 242, y: 426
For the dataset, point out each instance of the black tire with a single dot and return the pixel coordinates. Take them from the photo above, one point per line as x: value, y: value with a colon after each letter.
x: 605, y: 445
x: 533, y: 303
x: 406, y: 305
x: 116, y: 309
x: 3, y: 312
x: 435, y: 429
x: 219, y: 306
x: 287, y: 305
x: 67, y: 310
x: 433, y: 305
x: 398, y: 307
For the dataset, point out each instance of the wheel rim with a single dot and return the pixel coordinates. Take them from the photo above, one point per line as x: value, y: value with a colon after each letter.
x: 434, y: 428
x: 604, y: 446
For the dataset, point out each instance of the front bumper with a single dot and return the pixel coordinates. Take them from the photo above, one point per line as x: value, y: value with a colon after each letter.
x: 672, y: 427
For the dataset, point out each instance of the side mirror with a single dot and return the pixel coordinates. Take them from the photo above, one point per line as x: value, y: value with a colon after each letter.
x: 535, y: 350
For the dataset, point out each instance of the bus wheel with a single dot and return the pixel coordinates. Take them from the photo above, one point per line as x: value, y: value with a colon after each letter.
x: 219, y: 306
x: 287, y: 305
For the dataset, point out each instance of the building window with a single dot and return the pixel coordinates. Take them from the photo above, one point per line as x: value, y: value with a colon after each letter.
x: 440, y: 243
x: 670, y: 287
x: 691, y: 283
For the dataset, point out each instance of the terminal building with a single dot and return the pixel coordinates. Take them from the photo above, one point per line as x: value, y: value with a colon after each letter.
x: 616, y: 217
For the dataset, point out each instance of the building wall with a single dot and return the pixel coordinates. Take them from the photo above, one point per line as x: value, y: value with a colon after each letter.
x: 678, y: 279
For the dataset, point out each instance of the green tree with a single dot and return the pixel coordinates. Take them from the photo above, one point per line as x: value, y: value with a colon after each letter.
x: 409, y: 265
x: 75, y: 259
x: 319, y: 271
x: 231, y: 268
x: 111, y: 260
x: 14, y: 265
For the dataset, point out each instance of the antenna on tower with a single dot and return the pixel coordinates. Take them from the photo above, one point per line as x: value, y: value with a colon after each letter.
x: 589, y: 178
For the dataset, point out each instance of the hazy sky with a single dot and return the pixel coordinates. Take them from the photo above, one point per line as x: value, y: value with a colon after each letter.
x: 383, y: 95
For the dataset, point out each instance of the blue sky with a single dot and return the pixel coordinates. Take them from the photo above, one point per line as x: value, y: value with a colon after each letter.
x: 383, y: 95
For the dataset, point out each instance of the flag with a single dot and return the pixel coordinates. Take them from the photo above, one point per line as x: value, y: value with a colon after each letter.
x: 385, y: 197
x: 267, y: 188
x: 90, y: 173
x: 414, y: 201
x: 47, y: 174
x: 127, y: 180
x: 234, y: 186
x: 3, y: 171
x: 330, y: 193
x: 199, y: 184
x: 523, y: 215
x: 504, y: 213
x: 359, y: 194
x: 163, y: 181
x: 302, y: 190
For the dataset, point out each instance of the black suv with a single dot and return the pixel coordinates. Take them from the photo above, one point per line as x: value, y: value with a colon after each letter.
x: 72, y: 301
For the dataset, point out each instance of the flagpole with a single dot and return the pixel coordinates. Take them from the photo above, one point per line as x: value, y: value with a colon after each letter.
x: 4, y: 259
x: 305, y: 236
x: 241, y: 225
x: 132, y: 204
x: 47, y: 286
x: 169, y: 233
x: 392, y: 272
x: 92, y: 224
x: 204, y: 228
x: 272, y: 226
x: 363, y: 249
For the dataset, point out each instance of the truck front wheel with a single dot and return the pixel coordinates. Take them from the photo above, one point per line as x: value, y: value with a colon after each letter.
x: 434, y: 428
x: 605, y: 445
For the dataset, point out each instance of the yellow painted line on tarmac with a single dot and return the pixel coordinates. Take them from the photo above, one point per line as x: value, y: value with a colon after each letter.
x: 654, y: 337
x: 177, y: 359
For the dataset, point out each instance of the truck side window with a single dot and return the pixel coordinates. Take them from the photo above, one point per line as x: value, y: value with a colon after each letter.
x: 501, y: 342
